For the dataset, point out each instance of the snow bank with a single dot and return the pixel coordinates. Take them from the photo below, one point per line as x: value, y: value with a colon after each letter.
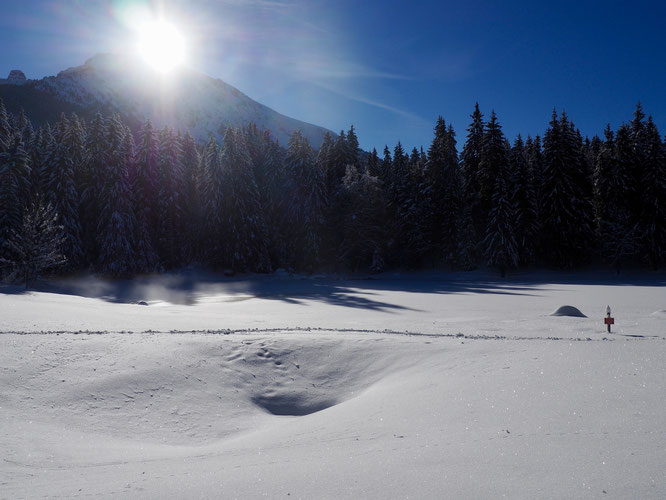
x: 568, y: 311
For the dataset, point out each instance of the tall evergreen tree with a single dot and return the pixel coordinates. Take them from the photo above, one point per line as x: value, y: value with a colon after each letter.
x: 470, y: 159
x: 501, y: 249
x: 524, y: 200
x: 116, y: 226
x: 443, y: 194
x: 214, y: 205
x: 652, y: 222
x: 373, y: 165
x: 193, y: 214
x: 566, y: 232
x: 145, y: 191
x: 306, y: 207
x: 170, y: 199
x: 61, y: 193
x: 14, y: 186
x: 246, y: 234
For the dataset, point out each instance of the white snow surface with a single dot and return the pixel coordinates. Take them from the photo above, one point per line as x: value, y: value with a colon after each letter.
x: 421, y: 385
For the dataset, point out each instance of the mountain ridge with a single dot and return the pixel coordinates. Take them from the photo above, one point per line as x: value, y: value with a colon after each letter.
x: 187, y: 100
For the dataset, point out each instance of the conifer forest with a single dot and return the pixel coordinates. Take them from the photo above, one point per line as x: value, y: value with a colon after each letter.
x: 103, y: 197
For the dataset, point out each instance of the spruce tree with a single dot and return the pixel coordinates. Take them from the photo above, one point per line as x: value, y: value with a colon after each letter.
x: 61, y: 193
x: 6, y: 130
x: 95, y: 161
x: 443, y: 196
x: 170, y: 200
x: 116, y: 225
x: 193, y: 214
x: 33, y: 247
x: 470, y: 159
x: 245, y: 227
x: 652, y: 222
x: 363, y: 233
x: 144, y: 193
x: 373, y: 165
x: 567, y: 229
x: 14, y: 186
x: 501, y: 249
x: 524, y: 200
x: 213, y: 191
x: 306, y: 207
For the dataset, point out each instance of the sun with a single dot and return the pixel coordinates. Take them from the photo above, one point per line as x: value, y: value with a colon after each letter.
x: 161, y: 45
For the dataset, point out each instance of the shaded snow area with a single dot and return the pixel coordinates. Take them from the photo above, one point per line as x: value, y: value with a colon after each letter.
x: 311, y: 388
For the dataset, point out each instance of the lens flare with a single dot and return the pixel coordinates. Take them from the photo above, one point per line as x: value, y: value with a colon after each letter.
x: 161, y: 45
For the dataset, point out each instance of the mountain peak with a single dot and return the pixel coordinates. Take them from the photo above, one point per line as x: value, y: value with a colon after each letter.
x: 185, y: 100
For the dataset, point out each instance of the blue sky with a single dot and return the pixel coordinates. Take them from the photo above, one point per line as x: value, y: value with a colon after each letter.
x: 389, y: 67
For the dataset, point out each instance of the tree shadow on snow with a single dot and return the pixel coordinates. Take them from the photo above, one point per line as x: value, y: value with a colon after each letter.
x: 190, y: 287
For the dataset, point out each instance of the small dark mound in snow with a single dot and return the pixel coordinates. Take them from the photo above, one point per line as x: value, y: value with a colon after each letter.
x: 142, y: 303
x: 571, y: 311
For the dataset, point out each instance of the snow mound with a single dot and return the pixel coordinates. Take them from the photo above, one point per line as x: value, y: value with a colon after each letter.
x: 571, y: 311
x: 659, y: 313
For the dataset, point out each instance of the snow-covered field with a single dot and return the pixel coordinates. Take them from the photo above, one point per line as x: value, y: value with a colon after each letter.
x: 312, y: 388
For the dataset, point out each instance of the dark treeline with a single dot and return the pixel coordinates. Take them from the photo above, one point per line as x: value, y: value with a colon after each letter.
x: 100, y: 196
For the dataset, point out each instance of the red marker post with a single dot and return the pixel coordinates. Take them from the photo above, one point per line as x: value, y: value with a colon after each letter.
x: 608, y: 320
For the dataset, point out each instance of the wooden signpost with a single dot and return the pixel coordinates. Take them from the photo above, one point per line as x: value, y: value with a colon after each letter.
x: 608, y: 320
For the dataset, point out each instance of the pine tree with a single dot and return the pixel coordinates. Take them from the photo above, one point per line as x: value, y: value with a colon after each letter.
x: 652, y: 222
x: 566, y: 208
x: 6, y: 131
x: 14, y: 186
x: 170, y: 199
x: 501, y: 249
x: 33, y: 247
x: 524, y: 200
x: 306, y: 207
x: 145, y: 191
x: 443, y: 196
x: 95, y: 162
x: 116, y: 226
x: 245, y: 227
x: 362, y: 243
x: 61, y: 193
x: 193, y: 214
x: 271, y: 179
x: 373, y: 165
x: 213, y: 191
x: 470, y: 159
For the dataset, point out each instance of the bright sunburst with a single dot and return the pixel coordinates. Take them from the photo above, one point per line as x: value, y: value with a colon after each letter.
x: 161, y: 45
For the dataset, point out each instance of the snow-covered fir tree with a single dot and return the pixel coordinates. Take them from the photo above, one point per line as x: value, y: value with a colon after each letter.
x: 213, y: 191
x: 501, y: 249
x: 566, y: 209
x: 14, y: 185
x: 524, y: 200
x: 443, y: 196
x: 307, y: 204
x: 246, y: 243
x: 470, y: 158
x: 115, y: 229
x: 362, y: 221
x: 61, y: 193
x: 170, y: 200
x: 33, y: 247
x: 144, y: 191
x: 652, y: 222
x: 193, y: 199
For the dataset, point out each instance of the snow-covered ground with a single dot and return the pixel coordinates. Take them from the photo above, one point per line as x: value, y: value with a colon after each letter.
x: 310, y: 388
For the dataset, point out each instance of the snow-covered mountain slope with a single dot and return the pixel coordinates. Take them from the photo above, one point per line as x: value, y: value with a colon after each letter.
x: 185, y: 100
